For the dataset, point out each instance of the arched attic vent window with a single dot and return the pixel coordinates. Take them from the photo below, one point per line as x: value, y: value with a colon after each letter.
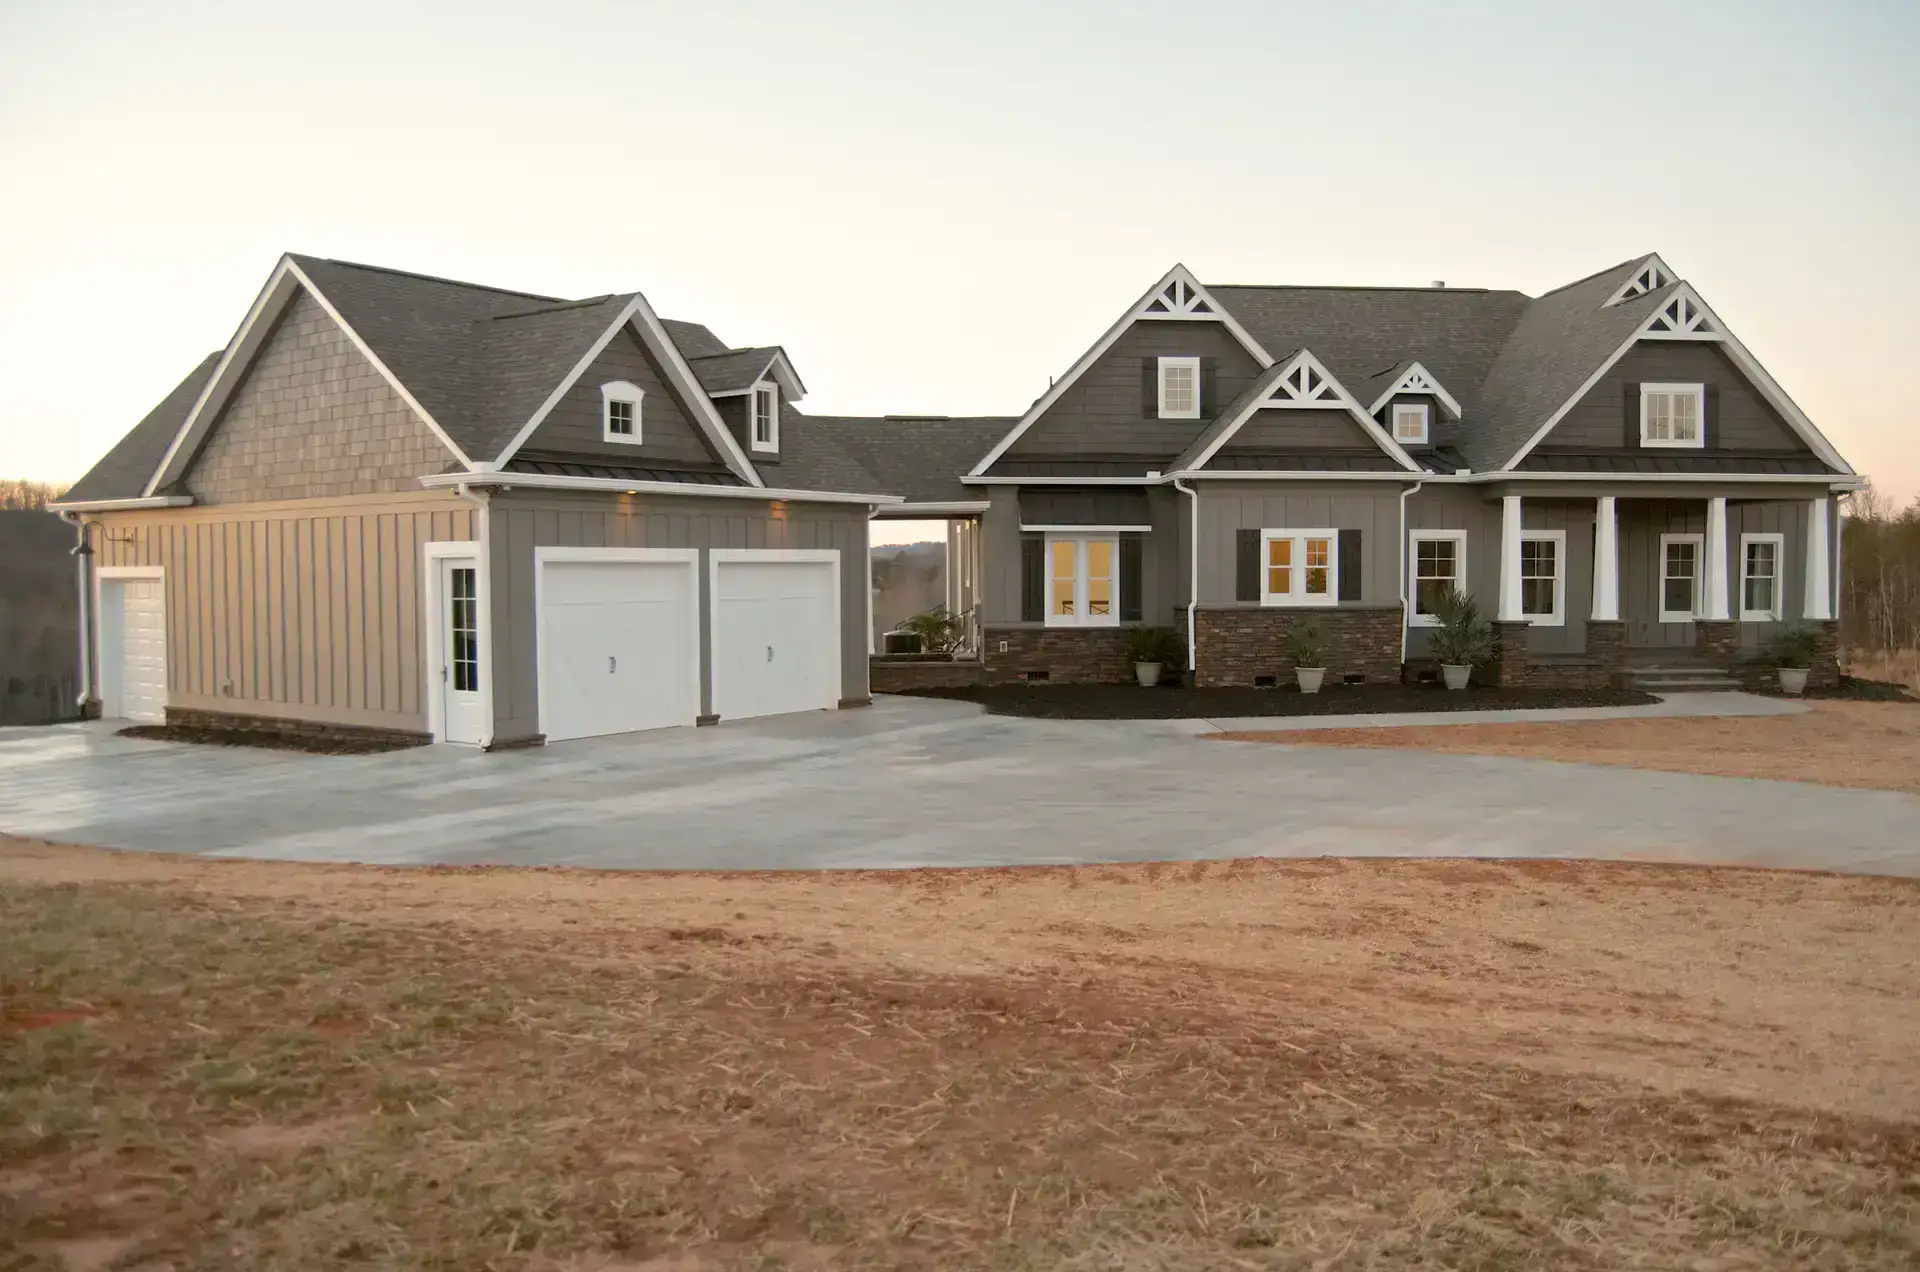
x: 620, y: 412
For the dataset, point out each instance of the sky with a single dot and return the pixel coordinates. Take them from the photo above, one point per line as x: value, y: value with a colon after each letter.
x: 937, y: 207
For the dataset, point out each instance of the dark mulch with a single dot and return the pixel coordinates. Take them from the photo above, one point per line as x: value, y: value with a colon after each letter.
x: 267, y: 741
x: 1855, y: 689
x: 1130, y: 702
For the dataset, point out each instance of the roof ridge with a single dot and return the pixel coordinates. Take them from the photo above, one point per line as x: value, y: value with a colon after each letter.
x: 554, y: 309
x: 1396, y: 287
x: 708, y: 357
x: 1631, y: 260
x: 435, y: 278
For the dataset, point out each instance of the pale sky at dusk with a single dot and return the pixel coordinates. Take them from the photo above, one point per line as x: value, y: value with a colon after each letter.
x: 937, y: 207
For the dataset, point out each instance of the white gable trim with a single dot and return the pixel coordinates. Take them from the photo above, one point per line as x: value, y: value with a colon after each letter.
x: 1417, y: 379
x: 285, y: 283
x: 646, y: 325
x: 1649, y: 275
x: 1776, y: 396
x: 1177, y: 296
x: 1304, y: 383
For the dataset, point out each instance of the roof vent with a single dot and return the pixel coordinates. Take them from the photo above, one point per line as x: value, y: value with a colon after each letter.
x: 1438, y: 282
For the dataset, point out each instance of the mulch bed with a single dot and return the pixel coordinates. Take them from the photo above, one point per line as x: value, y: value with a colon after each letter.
x: 1130, y: 702
x: 1854, y: 689
x: 267, y: 741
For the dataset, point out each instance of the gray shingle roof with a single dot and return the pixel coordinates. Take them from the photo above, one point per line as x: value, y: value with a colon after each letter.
x: 123, y: 472
x: 919, y: 458
x: 694, y: 340
x: 1228, y: 413
x: 734, y: 370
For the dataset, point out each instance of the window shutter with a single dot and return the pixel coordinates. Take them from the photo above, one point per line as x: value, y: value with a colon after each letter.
x: 1350, y: 578
x: 1246, y: 565
x: 1149, y: 388
x: 1130, y: 577
x: 1207, y: 399
x: 1630, y: 417
x: 1033, y: 580
x: 1710, y: 419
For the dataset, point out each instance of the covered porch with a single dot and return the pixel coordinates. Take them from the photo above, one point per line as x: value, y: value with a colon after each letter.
x: 959, y: 524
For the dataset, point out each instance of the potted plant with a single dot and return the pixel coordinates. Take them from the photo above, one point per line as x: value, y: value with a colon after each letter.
x: 1462, y: 639
x: 1151, y: 650
x: 1307, y: 647
x: 939, y: 629
x: 1793, y: 653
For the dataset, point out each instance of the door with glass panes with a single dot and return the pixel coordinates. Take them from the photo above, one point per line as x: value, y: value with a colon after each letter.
x: 462, y: 711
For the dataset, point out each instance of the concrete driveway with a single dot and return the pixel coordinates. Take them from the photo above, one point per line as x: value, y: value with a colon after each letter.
x: 916, y: 782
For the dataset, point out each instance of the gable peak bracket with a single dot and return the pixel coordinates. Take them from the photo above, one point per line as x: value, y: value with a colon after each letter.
x: 1180, y: 298
x: 1649, y: 276
x: 1683, y: 317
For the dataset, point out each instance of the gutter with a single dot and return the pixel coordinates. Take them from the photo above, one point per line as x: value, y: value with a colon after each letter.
x: 83, y: 568
x: 1193, y: 569
x: 613, y: 485
x: 483, y: 600
x: 121, y: 505
x: 1406, y: 602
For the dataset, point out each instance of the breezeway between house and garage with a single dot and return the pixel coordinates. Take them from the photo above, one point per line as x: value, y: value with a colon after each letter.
x: 916, y: 782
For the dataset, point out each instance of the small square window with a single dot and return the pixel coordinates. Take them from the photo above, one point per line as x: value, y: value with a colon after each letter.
x: 620, y: 412
x: 620, y: 418
x: 1300, y: 568
x: 1410, y: 423
x: 1673, y: 415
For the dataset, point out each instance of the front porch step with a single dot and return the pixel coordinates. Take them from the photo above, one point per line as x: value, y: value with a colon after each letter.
x: 1690, y: 678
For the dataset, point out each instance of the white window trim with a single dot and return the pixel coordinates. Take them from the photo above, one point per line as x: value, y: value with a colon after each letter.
x: 1459, y: 540
x: 1080, y: 617
x: 1421, y: 409
x: 1699, y: 542
x: 1558, y: 618
x: 1779, y: 542
x: 1299, y: 599
x: 621, y: 391
x: 1198, y: 405
x: 772, y: 444
x: 1699, y: 392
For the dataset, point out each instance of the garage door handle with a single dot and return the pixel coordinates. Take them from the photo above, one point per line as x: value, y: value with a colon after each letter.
x: 612, y: 662
x: 769, y: 653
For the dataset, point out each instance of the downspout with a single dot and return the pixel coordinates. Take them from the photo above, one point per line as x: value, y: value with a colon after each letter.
x: 873, y: 510
x: 83, y: 563
x: 1193, y: 568
x: 1406, y: 610
x: 483, y: 554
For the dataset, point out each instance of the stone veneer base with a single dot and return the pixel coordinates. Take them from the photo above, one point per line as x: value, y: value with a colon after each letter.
x: 237, y: 722
x: 1237, y: 646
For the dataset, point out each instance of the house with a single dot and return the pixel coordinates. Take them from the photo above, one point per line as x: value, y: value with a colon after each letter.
x: 1605, y: 467
x: 401, y: 505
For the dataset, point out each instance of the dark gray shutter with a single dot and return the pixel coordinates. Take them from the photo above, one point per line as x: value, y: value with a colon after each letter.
x: 1149, y: 388
x: 1130, y: 578
x: 1630, y: 417
x: 1208, y: 402
x: 1350, y: 577
x: 1246, y: 565
x: 1033, y: 578
x: 1710, y: 419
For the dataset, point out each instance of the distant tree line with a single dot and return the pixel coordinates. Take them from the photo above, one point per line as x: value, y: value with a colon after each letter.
x: 19, y: 493
x: 1880, y: 575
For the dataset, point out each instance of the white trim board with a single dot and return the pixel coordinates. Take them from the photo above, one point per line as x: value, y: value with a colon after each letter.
x: 1318, y: 389
x: 1138, y: 312
x: 935, y: 509
x: 1072, y: 530
x: 542, y: 556
x: 121, y: 505
x: 433, y: 621
x: 1650, y: 274
x: 679, y: 489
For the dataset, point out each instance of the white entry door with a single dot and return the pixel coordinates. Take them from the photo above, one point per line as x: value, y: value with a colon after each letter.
x: 776, y: 632
x: 133, y: 649
x: 619, y: 641
x: 462, y: 706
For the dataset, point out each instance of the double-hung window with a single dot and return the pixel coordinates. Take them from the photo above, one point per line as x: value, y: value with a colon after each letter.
x: 620, y: 412
x: 1543, y: 577
x: 1299, y: 567
x: 1680, y: 559
x: 1673, y: 415
x: 1760, y: 577
x: 1439, y: 565
x: 1410, y: 423
x: 1179, y: 388
x: 766, y: 417
x: 1083, y: 582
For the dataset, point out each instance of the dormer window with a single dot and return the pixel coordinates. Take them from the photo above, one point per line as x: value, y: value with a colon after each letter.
x: 1410, y: 423
x: 766, y: 417
x: 1672, y: 414
x: 620, y: 412
x: 1179, y: 388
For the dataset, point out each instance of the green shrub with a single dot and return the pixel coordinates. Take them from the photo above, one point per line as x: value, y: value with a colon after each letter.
x: 1463, y: 639
x: 1796, y: 647
x: 1306, y: 644
x: 1155, y: 645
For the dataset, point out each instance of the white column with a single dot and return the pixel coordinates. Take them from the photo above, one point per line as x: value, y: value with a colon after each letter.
x: 1510, y: 559
x: 1714, y: 600
x: 1606, y: 561
x: 1819, y: 602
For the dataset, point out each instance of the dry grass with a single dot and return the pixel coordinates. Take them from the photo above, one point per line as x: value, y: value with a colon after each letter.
x: 1256, y: 1064
x: 1873, y: 745
x: 1898, y: 666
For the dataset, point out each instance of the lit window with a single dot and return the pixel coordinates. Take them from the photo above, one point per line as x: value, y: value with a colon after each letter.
x: 1760, y: 577
x: 1541, y: 592
x: 1179, y: 388
x: 1410, y: 423
x: 620, y: 412
x: 1299, y: 567
x: 766, y: 417
x: 1679, y: 577
x: 1671, y: 414
x: 1082, y: 584
x: 1439, y: 558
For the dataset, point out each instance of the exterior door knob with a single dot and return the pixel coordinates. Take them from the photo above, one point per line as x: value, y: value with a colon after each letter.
x: 612, y: 662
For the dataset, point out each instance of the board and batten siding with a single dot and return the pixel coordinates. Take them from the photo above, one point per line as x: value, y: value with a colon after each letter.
x: 520, y: 521
x: 306, y: 610
x: 1228, y: 507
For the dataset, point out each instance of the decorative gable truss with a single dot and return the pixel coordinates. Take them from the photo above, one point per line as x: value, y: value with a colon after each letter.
x: 1417, y: 379
x: 1177, y: 296
x: 1303, y: 383
x: 1683, y: 317
x: 1652, y: 275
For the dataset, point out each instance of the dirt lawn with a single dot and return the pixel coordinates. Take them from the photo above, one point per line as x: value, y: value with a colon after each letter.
x: 1252, y: 1064
x: 1865, y: 744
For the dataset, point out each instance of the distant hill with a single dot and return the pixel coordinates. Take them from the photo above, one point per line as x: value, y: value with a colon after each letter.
x: 908, y: 579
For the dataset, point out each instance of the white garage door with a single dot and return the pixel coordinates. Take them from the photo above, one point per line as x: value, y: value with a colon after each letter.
x: 776, y: 634
x: 618, y: 647
x: 133, y: 657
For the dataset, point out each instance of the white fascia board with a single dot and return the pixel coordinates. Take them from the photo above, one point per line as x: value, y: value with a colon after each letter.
x: 1400, y: 386
x: 1342, y: 399
x: 1136, y: 313
x: 1061, y: 481
x: 121, y: 505
x: 1214, y: 474
x: 1776, y: 396
x: 1077, y: 529
x: 1843, y: 482
x: 938, y: 508
x: 682, y: 489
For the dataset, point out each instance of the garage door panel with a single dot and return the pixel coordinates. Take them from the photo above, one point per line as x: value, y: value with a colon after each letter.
x: 617, y: 648
x: 776, y: 638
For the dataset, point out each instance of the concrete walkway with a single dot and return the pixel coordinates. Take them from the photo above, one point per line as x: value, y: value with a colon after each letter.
x: 914, y: 782
x: 1672, y: 705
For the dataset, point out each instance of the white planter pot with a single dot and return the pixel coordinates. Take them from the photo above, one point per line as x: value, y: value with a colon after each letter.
x: 1456, y: 677
x: 1793, y: 680
x: 1309, y: 678
x: 1148, y: 674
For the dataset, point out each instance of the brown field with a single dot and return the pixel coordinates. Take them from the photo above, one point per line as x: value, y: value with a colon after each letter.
x: 1863, y: 744
x: 1898, y: 666
x: 1252, y: 1064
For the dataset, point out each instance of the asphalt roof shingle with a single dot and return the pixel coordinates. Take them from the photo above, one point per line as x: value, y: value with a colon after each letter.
x: 124, y: 471
x: 919, y: 458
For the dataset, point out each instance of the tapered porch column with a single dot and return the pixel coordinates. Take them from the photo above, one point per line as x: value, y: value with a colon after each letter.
x: 1510, y: 560
x: 1714, y: 598
x: 1606, y: 562
x: 1819, y: 600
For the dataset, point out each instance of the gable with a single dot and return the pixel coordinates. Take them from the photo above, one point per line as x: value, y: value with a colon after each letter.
x: 311, y: 417
x: 1276, y: 429
x: 668, y: 433
x: 1112, y: 408
x: 1601, y: 421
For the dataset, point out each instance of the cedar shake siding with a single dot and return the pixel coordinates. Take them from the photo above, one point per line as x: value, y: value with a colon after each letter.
x: 313, y: 418
x: 1607, y: 419
x: 669, y: 436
